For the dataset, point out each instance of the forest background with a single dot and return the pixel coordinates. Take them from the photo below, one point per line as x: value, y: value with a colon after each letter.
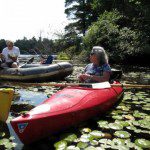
x: 122, y: 27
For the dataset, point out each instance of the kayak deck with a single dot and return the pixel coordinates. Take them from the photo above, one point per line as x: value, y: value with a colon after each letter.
x: 64, y: 109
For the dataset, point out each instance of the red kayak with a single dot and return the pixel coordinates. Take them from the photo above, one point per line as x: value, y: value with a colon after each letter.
x: 64, y: 109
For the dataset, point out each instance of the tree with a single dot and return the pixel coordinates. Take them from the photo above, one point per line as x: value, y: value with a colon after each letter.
x: 120, y: 43
x: 79, y: 12
x: 2, y: 44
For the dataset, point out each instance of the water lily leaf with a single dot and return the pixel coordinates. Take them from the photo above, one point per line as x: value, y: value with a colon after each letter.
x: 147, y: 99
x: 122, y: 134
x: 127, y: 96
x: 129, y: 117
x: 96, y: 134
x: 118, y: 141
x: 2, y: 134
x: 105, y: 141
x: 122, y: 147
x: 124, y: 108
x: 117, y: 117
x: 94, y: 142
x: 85, y: 130
x: 60, y: 145
x: 131, y: 128
x: 117, y: 112
x: 138, y: 114
x: 142, y: 143
x: 4, y: 141
x: 69, y: 137
x: 142, y: 123
x: 136, y: 102
x: 103, y: 124
x: 105, y: 146
x: 135, y: 98
x: 147, y: 108
x: 72, y: 147
x: 10, y: 145
x: 12, y: 138
x: 90, y: 148
x: 123, y: 123
x: 86, y: 138
x: 115, y: 126
x: 82, y: 145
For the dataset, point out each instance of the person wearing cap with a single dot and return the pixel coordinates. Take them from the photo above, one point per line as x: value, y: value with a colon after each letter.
x: 98, y: 70
x: 10, y: 55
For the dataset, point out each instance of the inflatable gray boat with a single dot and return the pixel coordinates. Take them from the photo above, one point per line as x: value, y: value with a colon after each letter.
x: 37, y: 72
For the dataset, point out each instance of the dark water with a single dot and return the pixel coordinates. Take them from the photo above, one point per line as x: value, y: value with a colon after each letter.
x: 27, y: 98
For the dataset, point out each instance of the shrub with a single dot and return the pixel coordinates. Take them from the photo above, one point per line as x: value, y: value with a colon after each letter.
x: 63, y: 56
x: 119, y: 42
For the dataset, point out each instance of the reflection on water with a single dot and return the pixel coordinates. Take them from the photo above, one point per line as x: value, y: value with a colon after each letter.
x: 29, y: 97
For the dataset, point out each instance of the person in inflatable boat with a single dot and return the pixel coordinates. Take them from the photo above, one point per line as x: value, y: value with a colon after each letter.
x: 98, y: 70
x: 10, y: 55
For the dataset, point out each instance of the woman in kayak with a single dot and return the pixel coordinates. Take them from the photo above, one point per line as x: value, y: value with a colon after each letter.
x: 98, y: 70
x: 10, y: 55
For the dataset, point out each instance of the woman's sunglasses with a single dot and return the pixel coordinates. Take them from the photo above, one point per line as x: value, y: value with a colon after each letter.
x: 92, y: 53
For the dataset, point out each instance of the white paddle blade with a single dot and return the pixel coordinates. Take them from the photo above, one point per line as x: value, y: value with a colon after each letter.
x: 101, y: 85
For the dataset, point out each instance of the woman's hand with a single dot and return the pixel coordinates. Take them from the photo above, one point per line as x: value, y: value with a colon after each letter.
x: 84, y: 77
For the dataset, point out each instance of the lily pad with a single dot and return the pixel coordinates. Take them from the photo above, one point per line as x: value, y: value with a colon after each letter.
x: 138, y: 114
x: 60, y: 145
x: 123, y: 123
x: 115, y: 126
x: 4, y: 141
x: 2, y: 134
x: 86, y: 138
x: 122, y: 134
x: 122, y: 147
x: 7, y: 143
x: 132, y: 128
x: 103, y: 124
x: 85, y: 130
x: 146, y: 108
x: 117, y: 117
x: 96, y: 134
x: 142, y: 123
x: 143, y: 143
x: 129, y: 117
x: 82, y: 145
x: 69, y: 137
x: 72, y: 147
x: 105, y: 141
x: 90, y: 148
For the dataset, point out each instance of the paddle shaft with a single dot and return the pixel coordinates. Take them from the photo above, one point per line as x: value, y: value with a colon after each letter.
x: 29, y: 61
x: 80, y: 84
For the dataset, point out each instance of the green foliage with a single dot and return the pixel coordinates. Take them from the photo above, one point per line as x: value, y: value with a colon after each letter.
x: 124, y: 32
x: 83, y: 56
x: 78, y: 10
x: 63, y: 56
x: 119, y: 42
x: 2, y: 45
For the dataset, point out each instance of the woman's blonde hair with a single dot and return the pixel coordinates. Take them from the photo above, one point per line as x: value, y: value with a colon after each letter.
x: 101, y: 54
x: 9, y: 42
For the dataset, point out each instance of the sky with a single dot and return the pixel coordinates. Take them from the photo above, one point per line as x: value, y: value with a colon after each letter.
x: 31, y: 18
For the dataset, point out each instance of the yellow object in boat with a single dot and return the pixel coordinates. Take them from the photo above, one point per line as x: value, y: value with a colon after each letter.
x: 6, y: 96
